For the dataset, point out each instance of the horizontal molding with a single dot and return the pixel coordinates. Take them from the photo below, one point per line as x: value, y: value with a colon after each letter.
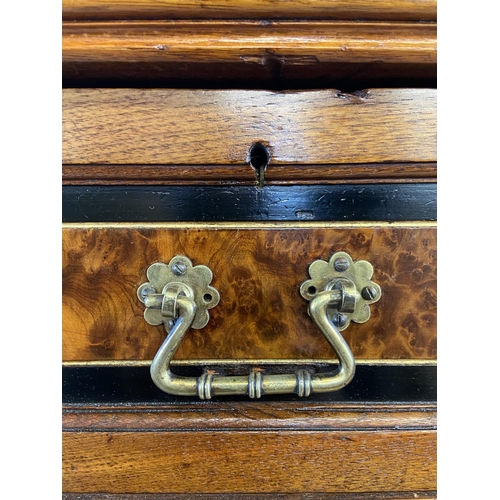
x: 275, y: 44
x: 413, y: 495
x: 249, y: 416
x: 158, y: 174
x: 248, y: 362
x: 246, y: 175
x: 250, y: 225
x: 133, y: 385
x: 406, y: 10
x: 344, y: 174
x: 389, y: 202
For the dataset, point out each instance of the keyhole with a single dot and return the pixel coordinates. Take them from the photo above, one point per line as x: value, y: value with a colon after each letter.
x: 259, y: 156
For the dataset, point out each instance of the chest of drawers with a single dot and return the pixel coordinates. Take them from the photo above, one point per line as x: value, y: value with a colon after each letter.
x: 254, y: 147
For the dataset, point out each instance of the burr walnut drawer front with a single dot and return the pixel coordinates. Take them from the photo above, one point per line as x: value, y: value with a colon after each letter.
x: 258, y: 269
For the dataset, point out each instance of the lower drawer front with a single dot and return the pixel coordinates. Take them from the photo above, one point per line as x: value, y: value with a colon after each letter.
x: 302, y: 450
x: 257, y: 269
x: 305, y: 461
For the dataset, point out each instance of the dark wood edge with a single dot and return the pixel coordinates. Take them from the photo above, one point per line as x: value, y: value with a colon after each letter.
x: 158, y: 174
x: 414, y: 495
x: 249, y: 416
x: 246, y: 175
x: 401, y: 10
x: 359, y: 173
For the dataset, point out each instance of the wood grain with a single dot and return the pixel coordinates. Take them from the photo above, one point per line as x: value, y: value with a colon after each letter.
x: 275, y: 448
x: 236, y: 175
x: 408, y: 10
x: 158, y: 175
x: 257, y: 270
x: 358, y: 173
x: 249, y: 415
x: 274, y: 45
x: 200, y: 461
x: 214, y: 127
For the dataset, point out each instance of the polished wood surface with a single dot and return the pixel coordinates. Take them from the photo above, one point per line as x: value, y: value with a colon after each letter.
x: 264, y: 461
x: 159, y: 175
x: 251, y: 50
x: 153, y: 126
x: 390, y: 202
x: 257, y: 270
x: 248, y: 415
x: 249, y: 42
x: 407, y: 10
x: 145, y: 139
x: 246, y: 175
x: 306, y: 448
x: 359, y: 173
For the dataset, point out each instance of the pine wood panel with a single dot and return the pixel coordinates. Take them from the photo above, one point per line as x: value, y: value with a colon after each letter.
x: 153, y: 126
x: 258, y: 270
x: 266, y: 461
x: 423, y: 10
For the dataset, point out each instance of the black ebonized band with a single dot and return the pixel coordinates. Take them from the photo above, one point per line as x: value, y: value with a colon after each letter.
x: 378, y: 202
x: 133, y: 385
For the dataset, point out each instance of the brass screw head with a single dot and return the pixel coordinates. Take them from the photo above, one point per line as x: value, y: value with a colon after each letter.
x: 179, y: 268
x: 339, y: 319
x: 368, y: 293
x: 341, y: 264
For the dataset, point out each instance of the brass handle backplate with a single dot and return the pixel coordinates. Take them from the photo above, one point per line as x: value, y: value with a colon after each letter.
x: 179, y: 295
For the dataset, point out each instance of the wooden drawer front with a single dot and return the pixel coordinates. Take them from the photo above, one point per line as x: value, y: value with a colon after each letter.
x: 257, y: 269
x: 254, y: 461
x: 195, y: 127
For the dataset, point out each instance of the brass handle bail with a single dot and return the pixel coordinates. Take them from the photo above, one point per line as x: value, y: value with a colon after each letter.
x: 179, y: 295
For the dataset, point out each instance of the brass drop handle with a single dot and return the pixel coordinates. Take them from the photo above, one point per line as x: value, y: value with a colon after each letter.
x: 179, y: 296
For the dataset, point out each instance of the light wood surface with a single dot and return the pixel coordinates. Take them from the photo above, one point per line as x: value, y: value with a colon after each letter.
x: 153, y: 126
x: 421, y: 10
x: 258, y: 271
x: 248, y: 43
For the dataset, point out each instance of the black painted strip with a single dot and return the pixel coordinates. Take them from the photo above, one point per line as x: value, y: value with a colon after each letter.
x: 377, y: 202
x: 123, y: 385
